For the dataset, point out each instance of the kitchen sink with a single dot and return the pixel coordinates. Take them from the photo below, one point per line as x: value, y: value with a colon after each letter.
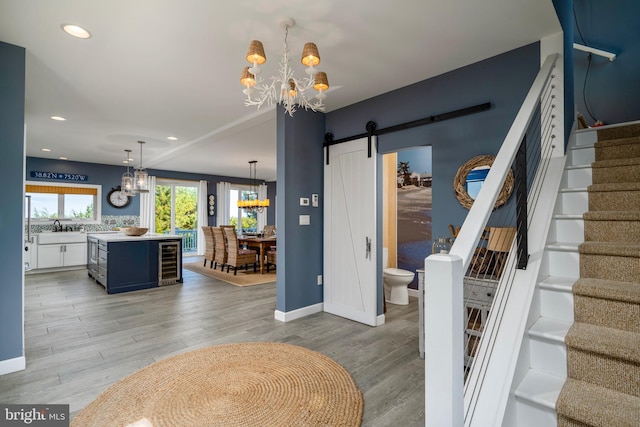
x: 48, y: 238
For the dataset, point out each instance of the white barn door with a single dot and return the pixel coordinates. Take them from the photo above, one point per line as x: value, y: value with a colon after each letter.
x: 350, y: 231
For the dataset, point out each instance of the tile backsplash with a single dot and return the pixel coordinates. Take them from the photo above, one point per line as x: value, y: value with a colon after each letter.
x: 109, y: 222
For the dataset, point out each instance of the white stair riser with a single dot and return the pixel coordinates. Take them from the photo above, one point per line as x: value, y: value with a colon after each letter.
x: 556, y: 305
x: 563, y: 263
x: 532, y: 415
x: 573, y: 202
x: 586, y: 137
x: 548, y: 356
x: 581, y: 156
x: 577, y: 178
x: 567, y: 230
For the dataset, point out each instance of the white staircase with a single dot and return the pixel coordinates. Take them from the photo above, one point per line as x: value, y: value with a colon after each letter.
x: 543, y: 358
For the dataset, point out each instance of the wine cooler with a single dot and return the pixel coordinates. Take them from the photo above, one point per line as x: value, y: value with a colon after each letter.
x: 169, y: 263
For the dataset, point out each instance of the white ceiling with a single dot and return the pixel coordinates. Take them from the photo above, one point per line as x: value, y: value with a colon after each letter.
x: 159, y: 68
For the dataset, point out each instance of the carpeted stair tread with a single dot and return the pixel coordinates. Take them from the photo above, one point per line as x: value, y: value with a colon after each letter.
x: 617, y: 142
x: 617, y: 132
x: 625, y: 249
x: 614, y: 343
x: 615, y: 186
x: 618, y: 170
x: 608, y: 303
x: 612, y: 226
x: 608, y: 289
x: 617, y: 148
x: 616, y: 163
x: 623, y: 196
x: 603, y: 344
x: 594, y: 406
x: 612, y: 216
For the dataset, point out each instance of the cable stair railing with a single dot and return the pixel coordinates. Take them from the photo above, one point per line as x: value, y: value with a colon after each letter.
x: 477, y: 296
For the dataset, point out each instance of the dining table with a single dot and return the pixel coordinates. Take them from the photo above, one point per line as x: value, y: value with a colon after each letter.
x: 261, y: 243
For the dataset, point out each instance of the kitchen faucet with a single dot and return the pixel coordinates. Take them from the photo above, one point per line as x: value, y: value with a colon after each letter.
x: 58, y: 227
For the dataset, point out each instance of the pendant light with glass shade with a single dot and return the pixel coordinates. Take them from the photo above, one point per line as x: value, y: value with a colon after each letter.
x: 127, y: 184
x: 141, y: 177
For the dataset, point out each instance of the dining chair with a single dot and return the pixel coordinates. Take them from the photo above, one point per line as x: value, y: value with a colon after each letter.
x: 209, y: 252
x: 271, y: 257
x: 238, y: 257
x: 269, y: 230
x: 220, y: 255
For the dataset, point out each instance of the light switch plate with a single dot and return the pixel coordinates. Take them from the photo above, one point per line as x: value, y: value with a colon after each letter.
x: 314, y: 200
x: 304, y: 201
x: 304, y: 220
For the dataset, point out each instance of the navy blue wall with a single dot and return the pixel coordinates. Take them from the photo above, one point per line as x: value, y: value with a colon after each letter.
x: 300, y: 174
x: 12, y: 84
x: 110, y: 176
x: 502, y: 80
x: 613, y: 88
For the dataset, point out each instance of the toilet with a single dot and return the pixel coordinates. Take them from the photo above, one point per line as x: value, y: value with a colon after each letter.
x: 395, y: 282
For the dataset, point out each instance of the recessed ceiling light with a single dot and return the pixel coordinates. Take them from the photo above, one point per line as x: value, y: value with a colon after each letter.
x: 46, y: 149
x: 63, y: 158
x: 58, y: 118
x: 76, y: 31
x: 172, y: 138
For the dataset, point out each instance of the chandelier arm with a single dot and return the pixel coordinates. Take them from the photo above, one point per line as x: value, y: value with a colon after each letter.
x: 266, y: 95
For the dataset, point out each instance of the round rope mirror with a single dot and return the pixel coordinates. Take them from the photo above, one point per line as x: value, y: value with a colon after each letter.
x: 479, y: 162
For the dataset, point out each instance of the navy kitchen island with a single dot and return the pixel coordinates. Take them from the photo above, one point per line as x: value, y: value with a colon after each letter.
x: 124, y: 263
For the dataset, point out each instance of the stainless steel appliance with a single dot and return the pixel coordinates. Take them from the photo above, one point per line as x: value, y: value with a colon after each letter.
x: 169, y: 262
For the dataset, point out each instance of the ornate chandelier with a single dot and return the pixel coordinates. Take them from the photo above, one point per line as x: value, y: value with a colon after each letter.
x: 250, y: 200
x: 285, y: 89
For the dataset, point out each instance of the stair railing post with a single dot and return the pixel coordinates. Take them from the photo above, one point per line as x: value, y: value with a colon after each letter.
x: 444, y: 341
x: 521, y: 204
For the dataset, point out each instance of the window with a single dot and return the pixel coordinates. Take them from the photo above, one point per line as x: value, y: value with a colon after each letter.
x: 248, y: 220
x: 177, y: 211
x: 71, y: 202
x: 475, y: 179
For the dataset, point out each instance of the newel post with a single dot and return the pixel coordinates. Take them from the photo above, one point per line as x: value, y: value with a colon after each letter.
x: 444, y: 342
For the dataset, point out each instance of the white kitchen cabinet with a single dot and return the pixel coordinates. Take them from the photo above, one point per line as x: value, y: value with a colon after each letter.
x: 75, y: 254
x: 62, y: 255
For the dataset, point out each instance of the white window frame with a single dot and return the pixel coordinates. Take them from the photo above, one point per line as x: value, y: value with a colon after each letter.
x: 97, y: 203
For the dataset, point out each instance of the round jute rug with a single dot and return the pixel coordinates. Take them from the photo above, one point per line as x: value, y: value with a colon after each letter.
x: 246, y: 384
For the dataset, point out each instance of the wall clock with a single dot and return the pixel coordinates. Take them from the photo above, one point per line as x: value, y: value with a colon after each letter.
x: 117, y: 198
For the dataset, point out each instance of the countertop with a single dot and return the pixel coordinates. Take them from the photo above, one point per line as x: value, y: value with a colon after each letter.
x: 120, y: 237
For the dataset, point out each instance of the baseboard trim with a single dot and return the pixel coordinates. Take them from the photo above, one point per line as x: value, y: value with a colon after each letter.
x: 380, y: 320
x: 300, y: 312
x: 12, y: 365
x: 413, y: 293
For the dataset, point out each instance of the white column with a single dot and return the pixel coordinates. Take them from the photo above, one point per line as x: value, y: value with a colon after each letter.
x: 444, y: 359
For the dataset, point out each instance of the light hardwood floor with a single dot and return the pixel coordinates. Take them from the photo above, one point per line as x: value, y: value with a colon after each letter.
x: 79, y: 340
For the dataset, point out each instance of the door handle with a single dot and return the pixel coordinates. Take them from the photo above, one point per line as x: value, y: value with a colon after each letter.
x: 368, y: 248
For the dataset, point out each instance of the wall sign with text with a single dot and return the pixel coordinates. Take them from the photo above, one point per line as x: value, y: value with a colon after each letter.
x: 59, y: 176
